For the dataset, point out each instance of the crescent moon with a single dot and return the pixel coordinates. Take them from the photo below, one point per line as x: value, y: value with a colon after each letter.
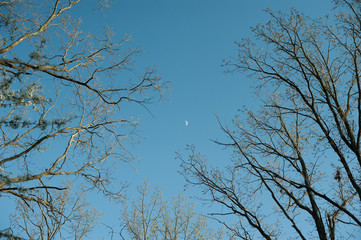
x: 186, y: 122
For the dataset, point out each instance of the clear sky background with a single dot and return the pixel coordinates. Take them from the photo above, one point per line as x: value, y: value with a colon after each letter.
x: 187, y: 41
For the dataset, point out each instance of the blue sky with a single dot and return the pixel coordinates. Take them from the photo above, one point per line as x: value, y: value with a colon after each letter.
x: 187, y: 41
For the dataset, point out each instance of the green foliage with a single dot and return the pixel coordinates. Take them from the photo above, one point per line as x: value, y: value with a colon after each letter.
x: 29, y: 95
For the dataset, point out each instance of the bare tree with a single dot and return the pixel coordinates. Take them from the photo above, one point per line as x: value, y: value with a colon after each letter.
x: 69, y: 216
x: 296, y: 165
x: 66, y: 99
x: 150, y: 217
